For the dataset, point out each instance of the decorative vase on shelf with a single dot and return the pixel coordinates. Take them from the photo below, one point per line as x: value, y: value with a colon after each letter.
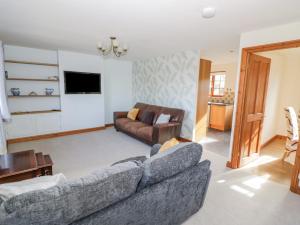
x: 49, y: 91
x: 15, y: 91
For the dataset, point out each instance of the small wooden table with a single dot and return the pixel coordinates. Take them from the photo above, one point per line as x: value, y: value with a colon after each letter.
x: 24, y: 165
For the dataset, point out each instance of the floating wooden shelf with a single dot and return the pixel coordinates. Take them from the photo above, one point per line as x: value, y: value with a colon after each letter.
x: 35, y: 112
x: 30, y: 79
x: 31, y: 96
x: 31, y: 63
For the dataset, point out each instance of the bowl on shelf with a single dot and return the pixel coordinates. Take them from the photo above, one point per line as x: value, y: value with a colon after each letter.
x: 49, y: 91
x: 15, y: 91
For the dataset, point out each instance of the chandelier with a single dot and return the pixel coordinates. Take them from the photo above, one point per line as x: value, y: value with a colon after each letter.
x: 114, y: 47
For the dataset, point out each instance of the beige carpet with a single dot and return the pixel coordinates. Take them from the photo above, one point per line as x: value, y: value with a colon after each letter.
x: 235, y: 197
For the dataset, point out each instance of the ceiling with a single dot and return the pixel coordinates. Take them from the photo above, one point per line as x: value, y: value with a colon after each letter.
x: 149, y: 27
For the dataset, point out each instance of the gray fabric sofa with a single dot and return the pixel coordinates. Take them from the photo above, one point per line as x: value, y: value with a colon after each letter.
x: 165, y: 189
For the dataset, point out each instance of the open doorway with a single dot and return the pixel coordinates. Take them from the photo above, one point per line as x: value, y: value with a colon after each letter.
x: 222, y: 79
x: 257, y: 111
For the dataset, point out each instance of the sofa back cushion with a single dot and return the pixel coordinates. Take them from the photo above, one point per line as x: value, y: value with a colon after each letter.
x: 177, y: 115
x: 170, y: 162
x: 147, y: 117
x: 73, y: 200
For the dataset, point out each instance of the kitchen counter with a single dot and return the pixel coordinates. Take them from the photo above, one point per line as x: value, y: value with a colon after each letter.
x: 219, y: 103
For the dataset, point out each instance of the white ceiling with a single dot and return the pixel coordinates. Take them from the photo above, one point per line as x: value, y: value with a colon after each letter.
x: 149, y: 27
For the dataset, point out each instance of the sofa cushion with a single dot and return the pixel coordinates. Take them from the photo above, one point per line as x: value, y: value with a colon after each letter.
x: 132, y: 114
x: 163, y: 118
x: 169, y: 144
x: 132, y: 127
x: 73, y: 200
x: 145, y: 133
x: 147, y: 117
x: 122, y: 121
x: 169, y: 163
x: 10, y: 190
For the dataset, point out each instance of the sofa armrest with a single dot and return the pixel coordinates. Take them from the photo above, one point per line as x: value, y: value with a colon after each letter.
x: 166, y: 131
x: 118, y: 115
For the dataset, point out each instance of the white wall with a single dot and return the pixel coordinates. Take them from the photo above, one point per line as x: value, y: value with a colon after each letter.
x: 81, y: 111
x: 283, y: 91
x: 231, y: 71
x: 78, y: 111
x: 269, y: 35
x: 117, y: 87
x: 290, y: 92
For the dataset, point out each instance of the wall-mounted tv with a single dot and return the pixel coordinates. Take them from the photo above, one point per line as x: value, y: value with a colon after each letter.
x: 82, y: 83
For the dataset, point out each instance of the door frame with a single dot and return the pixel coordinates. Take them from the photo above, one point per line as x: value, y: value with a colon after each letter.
x: 202, y: 99
x: 236, y: 159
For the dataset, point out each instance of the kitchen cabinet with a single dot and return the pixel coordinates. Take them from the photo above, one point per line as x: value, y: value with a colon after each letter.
x: 220, y: 116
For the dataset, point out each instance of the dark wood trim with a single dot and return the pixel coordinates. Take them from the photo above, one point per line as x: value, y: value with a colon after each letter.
x: 295, y: 174
x: 235, y: 161
x: 35, y: 112
x: 181, y: 139
x: 274, y: 46
x: 32, y: 96
x: 30, y: 63
x: 221, y: 71
x: 109, y: 125
x: 202, y: 99
x: 277, y: 136
x: 31, y: 79
x: 53, y: 135
x: 236, y: 154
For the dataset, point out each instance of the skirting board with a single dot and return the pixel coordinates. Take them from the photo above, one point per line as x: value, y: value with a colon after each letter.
x: 181, y: 139
x: 273, y: 139
x: 65, y: 133
x: 53, y: 135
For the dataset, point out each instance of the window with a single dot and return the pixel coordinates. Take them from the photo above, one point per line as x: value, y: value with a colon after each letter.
x: 217, y: 84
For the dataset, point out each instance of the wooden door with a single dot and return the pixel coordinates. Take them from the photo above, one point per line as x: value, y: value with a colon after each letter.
x: 202, y: 99
x: 257, y: 71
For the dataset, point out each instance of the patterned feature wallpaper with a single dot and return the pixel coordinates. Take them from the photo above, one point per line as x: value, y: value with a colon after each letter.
x: 169, y: 81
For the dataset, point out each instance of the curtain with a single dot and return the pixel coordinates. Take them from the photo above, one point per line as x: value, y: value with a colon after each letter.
x: 4, y: 112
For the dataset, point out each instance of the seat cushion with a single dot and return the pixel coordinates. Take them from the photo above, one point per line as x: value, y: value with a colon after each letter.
x: 166, y: 164
x: 63, y: 204
x: 132, y: 127
x: 145, y: 132
x: 122, y: 121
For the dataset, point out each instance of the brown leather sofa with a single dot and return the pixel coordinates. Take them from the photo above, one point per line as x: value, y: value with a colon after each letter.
x: 150, y: 134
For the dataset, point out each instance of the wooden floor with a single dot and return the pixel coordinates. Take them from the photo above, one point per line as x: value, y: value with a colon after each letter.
x: 279, y: 171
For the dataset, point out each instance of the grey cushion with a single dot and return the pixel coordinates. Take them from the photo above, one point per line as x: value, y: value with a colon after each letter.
x: 169, y: 202
x: 170, y: 162
x: 137, y: 159
x: 155, y: 149
x: 68, y: 202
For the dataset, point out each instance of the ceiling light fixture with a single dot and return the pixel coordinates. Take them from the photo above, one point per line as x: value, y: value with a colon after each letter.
x: 208, y: 12
x: 114, y: 47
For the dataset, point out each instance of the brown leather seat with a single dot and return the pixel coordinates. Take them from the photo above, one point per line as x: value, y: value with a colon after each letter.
x: 133, y: 127
x: 122, y: 122
x: 145, y: 133
x: 150, y: 134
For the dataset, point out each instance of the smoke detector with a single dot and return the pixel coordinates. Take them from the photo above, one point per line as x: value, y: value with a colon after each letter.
x: 208, y: 12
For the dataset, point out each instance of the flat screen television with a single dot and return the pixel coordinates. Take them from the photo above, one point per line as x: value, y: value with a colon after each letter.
x: 82, y: 83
